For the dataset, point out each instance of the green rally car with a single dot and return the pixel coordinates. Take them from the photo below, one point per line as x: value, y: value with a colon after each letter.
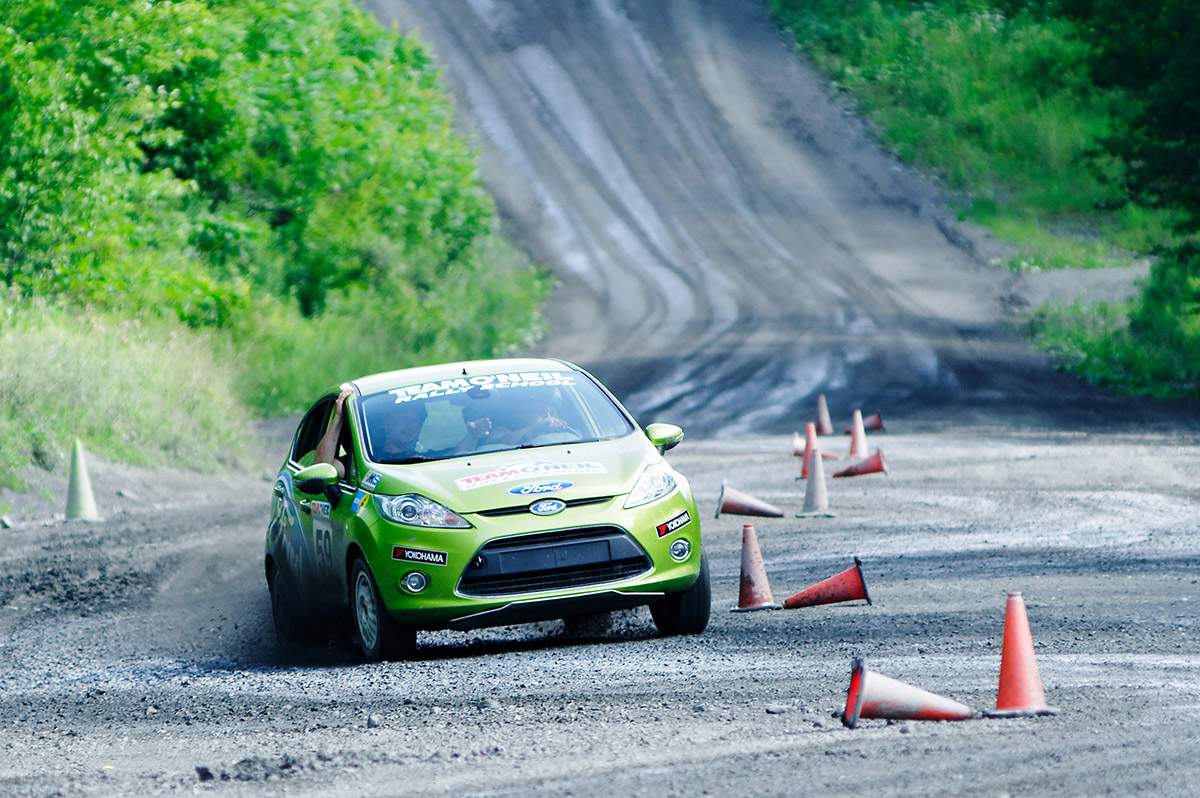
x: 477, y: 494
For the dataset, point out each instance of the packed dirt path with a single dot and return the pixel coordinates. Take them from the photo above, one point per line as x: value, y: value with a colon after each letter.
x: 730, y: 242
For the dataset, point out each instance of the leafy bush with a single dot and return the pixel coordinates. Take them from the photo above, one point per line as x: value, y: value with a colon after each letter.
x: 1149, y: 346
x: 1001, y: 105
x: 283, y: 174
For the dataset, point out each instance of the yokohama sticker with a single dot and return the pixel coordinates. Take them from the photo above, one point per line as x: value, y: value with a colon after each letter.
x: 419, y: 555
x: 679, y: 521
x: 531, y: 470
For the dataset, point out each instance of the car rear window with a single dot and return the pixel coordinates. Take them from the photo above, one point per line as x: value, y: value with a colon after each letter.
x: 488, y: 413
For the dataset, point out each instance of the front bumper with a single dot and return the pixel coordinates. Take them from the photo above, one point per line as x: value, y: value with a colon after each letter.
x: 522, y: 568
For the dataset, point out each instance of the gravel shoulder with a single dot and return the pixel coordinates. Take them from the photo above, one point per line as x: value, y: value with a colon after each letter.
x: 164, y: 673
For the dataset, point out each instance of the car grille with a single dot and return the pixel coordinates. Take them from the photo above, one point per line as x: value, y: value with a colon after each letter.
x: 552, y: 561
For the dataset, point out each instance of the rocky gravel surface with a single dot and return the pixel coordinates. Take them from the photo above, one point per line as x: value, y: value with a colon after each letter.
x: 137, y: 655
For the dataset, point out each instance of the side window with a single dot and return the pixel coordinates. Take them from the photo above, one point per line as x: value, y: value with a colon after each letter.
x: 311, y: 429
x: 346, y: 450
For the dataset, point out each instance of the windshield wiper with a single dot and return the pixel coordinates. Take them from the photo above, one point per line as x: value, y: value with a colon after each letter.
x: 416, y: 458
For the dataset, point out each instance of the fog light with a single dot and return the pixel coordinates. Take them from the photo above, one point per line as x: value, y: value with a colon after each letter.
x: 415, y: 582
x: 680, y: 550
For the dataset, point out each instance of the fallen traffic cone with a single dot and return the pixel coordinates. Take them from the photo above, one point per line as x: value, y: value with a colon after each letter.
x: 810, y: 445
x: 81, y: 504
x: 858, y: 436
x: 872, y: 422
x: 1020, y: 694
x: 872, y: 465
x: 735, y: 502
x: 846, y: 586
x: 824, y: 424
x: 754, y: 593
x: 872, y: 695
x: 816, y: 497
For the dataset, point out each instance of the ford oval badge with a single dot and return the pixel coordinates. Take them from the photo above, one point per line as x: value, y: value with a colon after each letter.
x: 547, y: 507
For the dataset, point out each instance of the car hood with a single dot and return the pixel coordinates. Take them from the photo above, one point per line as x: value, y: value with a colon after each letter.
x: 515, y: 478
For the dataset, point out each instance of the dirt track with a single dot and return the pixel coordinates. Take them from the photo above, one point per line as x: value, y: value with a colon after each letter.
x: 675, y: 147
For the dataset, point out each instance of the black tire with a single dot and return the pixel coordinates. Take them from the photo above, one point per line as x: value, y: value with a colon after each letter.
x: 293, y: 626
x: 379, y: 636
x: 686, y: 612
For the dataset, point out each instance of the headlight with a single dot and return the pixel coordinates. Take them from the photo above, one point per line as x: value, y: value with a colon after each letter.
x: 418, y: 511
x: 655, y: 482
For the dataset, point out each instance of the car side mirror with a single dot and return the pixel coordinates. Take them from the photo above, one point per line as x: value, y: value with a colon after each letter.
x: 664, y: 436
x: 313, y: 479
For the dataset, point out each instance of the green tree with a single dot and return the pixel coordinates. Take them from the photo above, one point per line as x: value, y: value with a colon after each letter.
x: 1151, y: 51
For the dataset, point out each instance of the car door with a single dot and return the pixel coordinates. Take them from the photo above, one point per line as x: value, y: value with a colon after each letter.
x: 308, y: 518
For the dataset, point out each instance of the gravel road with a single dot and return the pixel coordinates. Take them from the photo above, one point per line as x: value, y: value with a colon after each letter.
x: 729, y: 243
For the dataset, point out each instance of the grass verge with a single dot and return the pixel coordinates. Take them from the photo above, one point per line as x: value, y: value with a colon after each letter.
x: 143, y: 393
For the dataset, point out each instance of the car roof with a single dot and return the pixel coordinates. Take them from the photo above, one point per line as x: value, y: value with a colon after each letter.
x: 375, y: 383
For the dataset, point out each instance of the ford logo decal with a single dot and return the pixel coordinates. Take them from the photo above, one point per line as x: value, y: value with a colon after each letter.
x: 538, y: 488
x: 547, y: 507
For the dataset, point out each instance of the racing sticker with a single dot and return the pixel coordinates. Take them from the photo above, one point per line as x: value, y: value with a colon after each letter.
x: 419, y: 555
x: 538, y: 488
x: 371, y: 480
x: 321, y: 509
x: 533, y: 469
x: 679, y: 521
x: 359, y: 498
x: 428, y: 390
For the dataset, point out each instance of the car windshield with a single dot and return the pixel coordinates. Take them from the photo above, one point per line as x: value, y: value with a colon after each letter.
x: 488, y: 413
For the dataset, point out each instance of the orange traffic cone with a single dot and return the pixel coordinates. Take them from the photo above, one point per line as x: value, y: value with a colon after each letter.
x: 810, y: 445
x: 824, y: 424
x: 872, y: 695
x: 846, y: 586
x: 872, y: 465
x: 872, y: 422
x: 816, y: 497
x: 858, y: 436
x: 1020, y: 694
x: 735, y: 502
x: 755, y: 593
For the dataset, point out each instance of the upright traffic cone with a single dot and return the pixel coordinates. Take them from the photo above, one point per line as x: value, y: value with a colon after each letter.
x: 1020, y: 694
x: 872, y: 695
x: 824, y: 424
x: 735, y: 502
x: 872, y: 465
x: 816, y: 497
x: 872, y: 422
x: 810, y: 445
x: 858, y: 436
x: 754, y: 593
x: 798, y: 446
x: 81, y: 504
x: 849, y: 585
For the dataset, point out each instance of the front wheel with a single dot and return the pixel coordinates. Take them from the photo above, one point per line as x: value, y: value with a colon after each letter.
x: 379, y: 636
x: 685, y: 613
